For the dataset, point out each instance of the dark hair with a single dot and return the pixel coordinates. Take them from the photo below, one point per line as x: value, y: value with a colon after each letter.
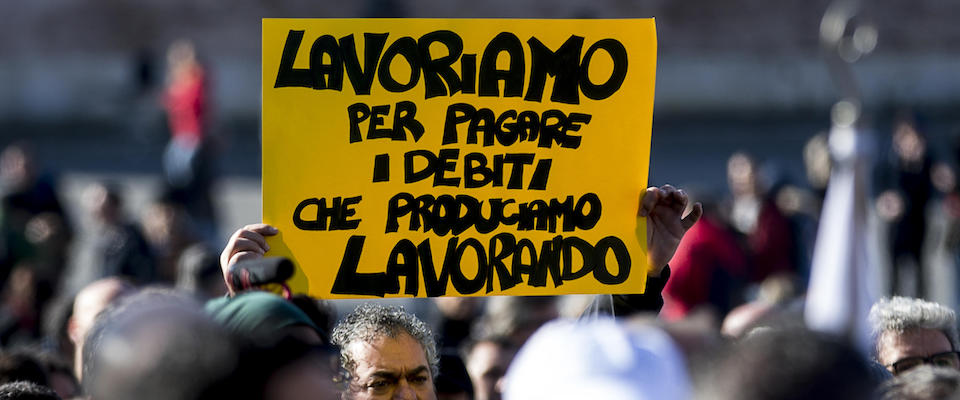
x: 786, y: 364
x: 453, y: 377
x: 188, y: 356
x: 502, y: 342
x: 23, y: 390
x: 259, y: 362
x: 20, y: 365
x: 319, y: 311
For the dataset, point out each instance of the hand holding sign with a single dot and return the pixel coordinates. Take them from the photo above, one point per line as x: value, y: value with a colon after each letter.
x: 246, y: 243
x: 663, y: 208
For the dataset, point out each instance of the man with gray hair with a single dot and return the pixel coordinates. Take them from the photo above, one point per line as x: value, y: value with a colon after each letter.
x: 389, y: 353
x: 909, y: 332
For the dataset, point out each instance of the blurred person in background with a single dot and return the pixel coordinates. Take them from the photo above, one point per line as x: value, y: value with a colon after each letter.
x: 453, y: 381
x: 55, y: 320
x: 909, y: 332
x: 117, y: 247
x: 800, y: 203
x: 35, y: 233
x: 926, y: 382
x: 28, y: 194
x: 487, y: 360
x: 89, y: 302
x: 456, y: 319
x: 766, y: 232
x: 817, y: 164
x: 20, y: 307
x: 778, y: 298
x: 906, y: 188
x: 388, y: 353
x: 709, y: 269
x: 169, y: 231
x: 198, y: 272
x: 188, y: 161
x: 516, y: 318
x: 946, y: 176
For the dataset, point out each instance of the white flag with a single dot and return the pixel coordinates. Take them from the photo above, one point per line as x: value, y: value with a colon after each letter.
x: 842, y: 277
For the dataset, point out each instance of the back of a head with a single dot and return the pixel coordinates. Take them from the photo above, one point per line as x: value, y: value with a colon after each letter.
x: 198, y: 271
x: 517, y: 317
x: 925, y: 382
x: 23, y: 390
x: 288, y: 366
x: 157, y: 345
x: 788, y: 364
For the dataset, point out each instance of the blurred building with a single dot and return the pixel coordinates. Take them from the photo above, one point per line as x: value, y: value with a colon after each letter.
x: 72, y: 59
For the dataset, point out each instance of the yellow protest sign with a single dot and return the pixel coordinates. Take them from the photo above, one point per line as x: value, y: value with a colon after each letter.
x: 458, y: 157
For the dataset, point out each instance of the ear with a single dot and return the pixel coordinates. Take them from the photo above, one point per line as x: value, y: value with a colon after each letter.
x: 73, y: 331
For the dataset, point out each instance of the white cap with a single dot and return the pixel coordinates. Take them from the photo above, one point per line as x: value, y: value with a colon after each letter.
x: 598, y: 360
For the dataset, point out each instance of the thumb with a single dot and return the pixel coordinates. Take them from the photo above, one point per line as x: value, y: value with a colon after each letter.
x: 692, y: 217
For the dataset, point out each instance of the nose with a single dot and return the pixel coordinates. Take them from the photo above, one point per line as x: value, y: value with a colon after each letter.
x: 404, y: 391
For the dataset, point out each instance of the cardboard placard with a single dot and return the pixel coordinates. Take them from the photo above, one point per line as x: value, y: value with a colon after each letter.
x: 458, y: 157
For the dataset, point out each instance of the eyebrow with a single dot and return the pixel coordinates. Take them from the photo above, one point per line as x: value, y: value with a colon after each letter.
x: 385, y: 375
x: 417, y: 371
x: 392, y: 375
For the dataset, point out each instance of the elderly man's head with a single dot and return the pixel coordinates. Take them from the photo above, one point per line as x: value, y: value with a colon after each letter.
x: 389, y: 353
x: 910, y: 332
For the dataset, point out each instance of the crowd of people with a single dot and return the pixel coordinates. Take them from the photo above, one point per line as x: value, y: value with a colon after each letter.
x: 152, y: 313
x: 137, y: 330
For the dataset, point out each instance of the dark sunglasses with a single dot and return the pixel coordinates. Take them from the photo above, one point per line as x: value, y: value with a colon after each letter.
x: 949, y: 359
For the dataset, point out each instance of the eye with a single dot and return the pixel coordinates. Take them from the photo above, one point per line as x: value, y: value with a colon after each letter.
x: 418, y: 380
x: 946, y: 359
x: 378, y: 384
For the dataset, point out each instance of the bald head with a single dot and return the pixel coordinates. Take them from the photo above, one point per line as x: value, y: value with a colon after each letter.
x: 90, y: 301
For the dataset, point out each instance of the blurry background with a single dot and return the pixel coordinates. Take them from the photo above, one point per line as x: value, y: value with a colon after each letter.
x: 83, y: 83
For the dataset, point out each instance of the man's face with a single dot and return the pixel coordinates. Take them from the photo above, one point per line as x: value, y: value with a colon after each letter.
x: 918, y: 342
x: 391, y: 368
x: 487, y: 365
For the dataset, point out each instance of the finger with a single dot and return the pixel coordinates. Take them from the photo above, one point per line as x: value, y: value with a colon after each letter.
x: 243, y: 244
x: 692, y: 217
x: 676, y: 200
x: 253, y: 232
x: 244, y: 255
x: 263, y: 229
x: 649, y: 200
x: 254, y: 237
x: 668, y: 191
